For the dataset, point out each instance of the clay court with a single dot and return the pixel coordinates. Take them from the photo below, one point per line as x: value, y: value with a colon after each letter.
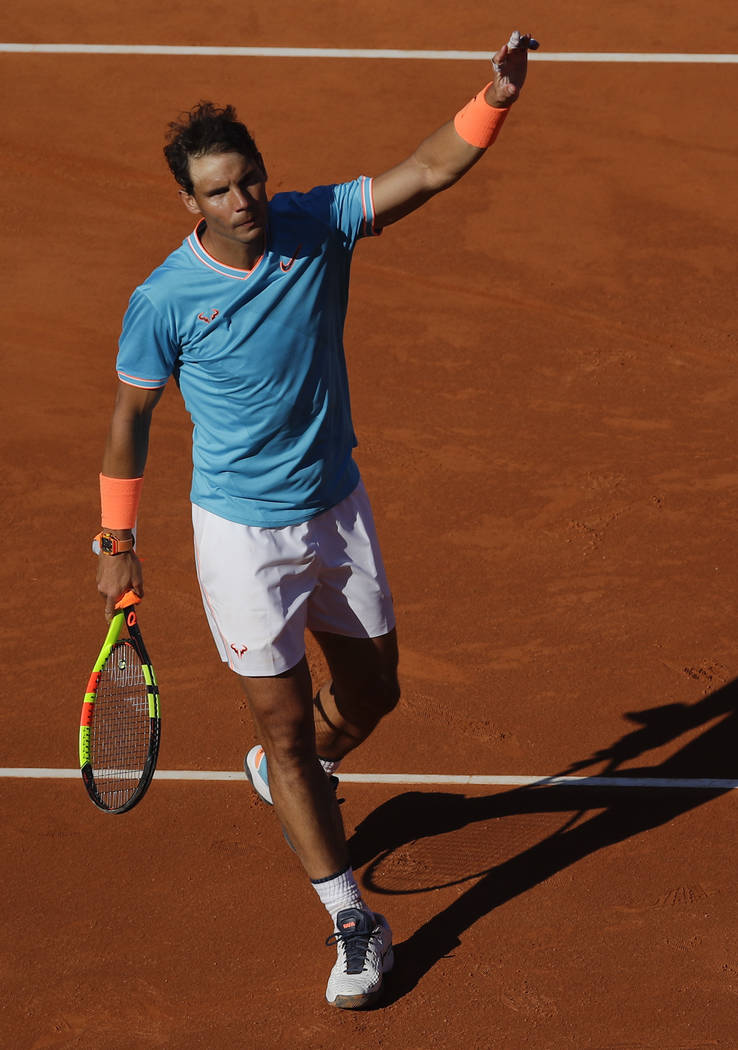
x: 543, y: 369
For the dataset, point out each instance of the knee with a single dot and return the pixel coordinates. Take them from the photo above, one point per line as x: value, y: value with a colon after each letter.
x: 378, y: 697
x: 387, y: 694
x: 289, y: 756
x: 288, y: 741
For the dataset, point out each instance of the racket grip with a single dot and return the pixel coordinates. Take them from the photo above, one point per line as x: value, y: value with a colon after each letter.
x: 127, y: 600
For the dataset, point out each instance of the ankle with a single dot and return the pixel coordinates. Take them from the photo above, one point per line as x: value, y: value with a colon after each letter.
x: 339, y: 891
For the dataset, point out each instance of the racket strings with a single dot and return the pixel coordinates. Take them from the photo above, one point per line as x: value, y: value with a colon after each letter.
x: 121, y: 729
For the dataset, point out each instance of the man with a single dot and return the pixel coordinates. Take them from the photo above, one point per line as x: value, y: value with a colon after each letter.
x: 248, y: 316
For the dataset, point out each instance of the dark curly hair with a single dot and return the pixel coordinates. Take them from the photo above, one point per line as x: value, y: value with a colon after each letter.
x: 206, y: 128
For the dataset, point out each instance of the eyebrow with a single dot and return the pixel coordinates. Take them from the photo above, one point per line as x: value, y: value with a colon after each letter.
x: 250, y: 175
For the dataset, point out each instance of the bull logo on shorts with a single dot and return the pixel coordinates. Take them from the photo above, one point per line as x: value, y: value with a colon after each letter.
x: 239, y: 651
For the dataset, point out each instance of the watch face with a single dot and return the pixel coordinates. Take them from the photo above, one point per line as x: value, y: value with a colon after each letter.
x: 106, y: 544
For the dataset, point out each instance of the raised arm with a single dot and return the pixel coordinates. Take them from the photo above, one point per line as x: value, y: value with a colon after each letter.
x: 125, y: 456
x: 450, y: 152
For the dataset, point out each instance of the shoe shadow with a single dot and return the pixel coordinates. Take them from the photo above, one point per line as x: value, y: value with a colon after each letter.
x: 411, y: 821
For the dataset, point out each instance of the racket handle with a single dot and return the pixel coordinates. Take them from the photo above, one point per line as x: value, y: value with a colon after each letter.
x: 127, y: 600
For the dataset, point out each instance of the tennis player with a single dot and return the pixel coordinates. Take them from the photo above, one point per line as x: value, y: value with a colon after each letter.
x: 247, y: 315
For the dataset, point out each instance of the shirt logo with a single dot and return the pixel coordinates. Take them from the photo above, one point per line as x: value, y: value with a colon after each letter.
x: 206, y: 319
x: 285, y: 266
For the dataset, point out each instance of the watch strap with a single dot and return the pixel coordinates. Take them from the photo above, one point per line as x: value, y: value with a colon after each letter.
x: 112, y: 545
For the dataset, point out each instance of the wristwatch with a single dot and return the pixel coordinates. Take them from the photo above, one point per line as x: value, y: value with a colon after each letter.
x: 110, y: 544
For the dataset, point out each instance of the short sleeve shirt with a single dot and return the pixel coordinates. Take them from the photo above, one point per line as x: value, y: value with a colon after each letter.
x: 258, y: 356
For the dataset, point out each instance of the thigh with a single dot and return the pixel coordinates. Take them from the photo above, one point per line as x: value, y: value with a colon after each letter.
x: 255, y: 585
x: 352, y: 596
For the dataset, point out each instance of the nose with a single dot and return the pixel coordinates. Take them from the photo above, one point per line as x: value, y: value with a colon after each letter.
x: 242, y: 200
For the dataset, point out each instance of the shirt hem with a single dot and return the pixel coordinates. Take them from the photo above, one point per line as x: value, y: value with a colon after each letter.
x: 274, y: 521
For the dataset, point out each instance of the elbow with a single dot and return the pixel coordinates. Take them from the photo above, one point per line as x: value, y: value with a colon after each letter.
x: 439, y: 177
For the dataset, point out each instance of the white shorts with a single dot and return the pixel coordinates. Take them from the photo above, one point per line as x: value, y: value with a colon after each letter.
x: 263, y: 587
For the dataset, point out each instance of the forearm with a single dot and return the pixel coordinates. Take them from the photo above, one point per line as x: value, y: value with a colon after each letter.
x: 127, y: 444
x: 125, y: 454
x: 438, y: 162
x: 451, y: 151
x: 443, y: 158
x: 446, y: 155
x: 124, y: 458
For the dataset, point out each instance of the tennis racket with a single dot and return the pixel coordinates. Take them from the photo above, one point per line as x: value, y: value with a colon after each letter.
x: 120, y: 726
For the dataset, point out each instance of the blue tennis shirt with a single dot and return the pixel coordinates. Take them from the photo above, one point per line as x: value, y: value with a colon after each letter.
x: 258, y: 356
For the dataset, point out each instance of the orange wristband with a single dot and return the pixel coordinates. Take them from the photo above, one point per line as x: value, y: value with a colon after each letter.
x: 119, y: 499
x: 478, y: 123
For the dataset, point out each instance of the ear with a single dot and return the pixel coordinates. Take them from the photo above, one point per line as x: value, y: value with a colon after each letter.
x: 189, y: 202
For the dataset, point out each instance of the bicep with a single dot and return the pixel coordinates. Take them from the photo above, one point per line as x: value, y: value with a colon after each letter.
x: 134, y: 405
x: 399, y: 191
x: 436, y: 164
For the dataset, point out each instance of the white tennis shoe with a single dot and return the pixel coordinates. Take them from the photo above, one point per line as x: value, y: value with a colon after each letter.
x: 365, y: 955
x: 255, y: 765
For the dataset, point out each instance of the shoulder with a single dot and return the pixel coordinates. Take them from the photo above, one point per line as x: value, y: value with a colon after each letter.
x: 321, y: 202
x: 165, y: 280
x: 301, y: 207
x: 343, y: 206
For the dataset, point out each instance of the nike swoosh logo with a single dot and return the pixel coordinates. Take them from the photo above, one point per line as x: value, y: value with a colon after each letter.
x: 285, y: 266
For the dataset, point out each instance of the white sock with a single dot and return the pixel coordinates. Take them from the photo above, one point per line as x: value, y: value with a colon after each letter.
x: 330, y: 765
x: 338, y: 892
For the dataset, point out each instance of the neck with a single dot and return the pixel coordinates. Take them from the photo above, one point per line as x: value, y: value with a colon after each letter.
x: 231, y: 253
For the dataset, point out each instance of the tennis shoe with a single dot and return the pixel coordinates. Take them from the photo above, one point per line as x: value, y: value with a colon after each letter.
x: 365, y: 954
x: 255, y: 765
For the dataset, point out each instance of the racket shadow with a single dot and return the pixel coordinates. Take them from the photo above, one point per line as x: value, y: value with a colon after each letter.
x: 399, y: 825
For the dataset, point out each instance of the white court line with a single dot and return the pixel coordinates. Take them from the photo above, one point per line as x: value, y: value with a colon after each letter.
x: 427, y: 779
x: 338, y: 52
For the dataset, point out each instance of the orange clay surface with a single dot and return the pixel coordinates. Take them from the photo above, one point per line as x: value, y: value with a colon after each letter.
x: 543, y: 366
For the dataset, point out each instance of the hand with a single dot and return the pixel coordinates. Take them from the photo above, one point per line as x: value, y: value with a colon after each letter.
x: 510, y: 66
x: 115, y: 576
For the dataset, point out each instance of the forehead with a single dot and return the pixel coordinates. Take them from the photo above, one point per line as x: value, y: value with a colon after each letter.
x: 220, y: 168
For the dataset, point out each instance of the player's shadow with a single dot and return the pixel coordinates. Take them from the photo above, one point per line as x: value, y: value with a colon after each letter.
x: 709, y: 753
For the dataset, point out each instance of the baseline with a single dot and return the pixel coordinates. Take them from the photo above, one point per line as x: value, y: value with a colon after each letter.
x: 469, y: 780
x: 379, y: 53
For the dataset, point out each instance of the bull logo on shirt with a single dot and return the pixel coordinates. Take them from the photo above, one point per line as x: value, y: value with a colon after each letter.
x: 208, y: 318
